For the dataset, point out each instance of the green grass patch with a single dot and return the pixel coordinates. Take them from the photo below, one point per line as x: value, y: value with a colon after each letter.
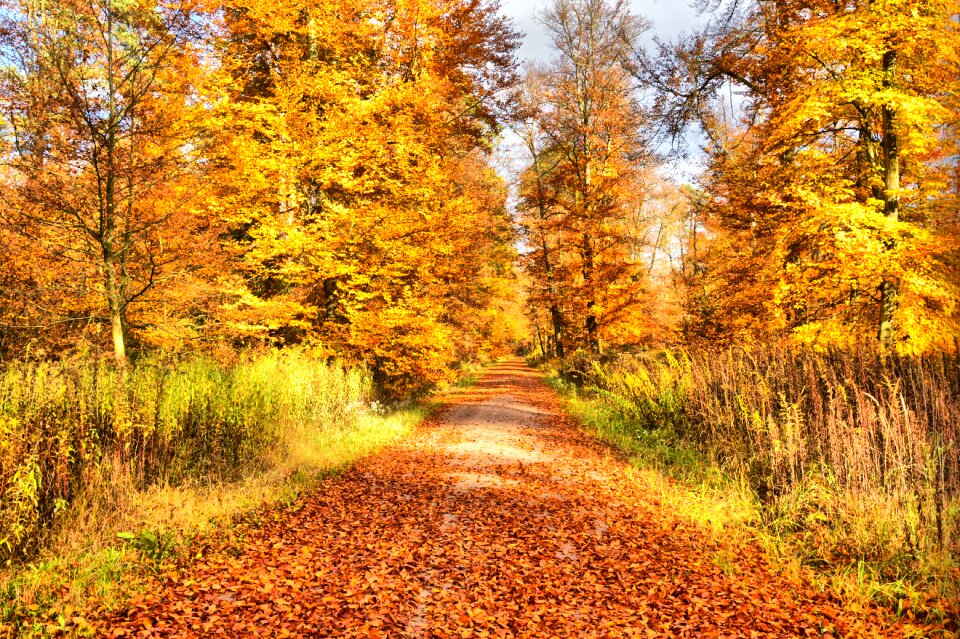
x: 683, y: 478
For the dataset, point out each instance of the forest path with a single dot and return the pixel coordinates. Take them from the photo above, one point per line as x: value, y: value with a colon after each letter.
x: 498, y: 518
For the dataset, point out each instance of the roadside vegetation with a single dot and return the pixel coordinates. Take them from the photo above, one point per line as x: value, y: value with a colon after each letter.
x: 837, y: 462
x: 106, y: 473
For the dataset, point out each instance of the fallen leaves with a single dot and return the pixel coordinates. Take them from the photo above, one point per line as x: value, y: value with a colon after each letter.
x: 398, y: 547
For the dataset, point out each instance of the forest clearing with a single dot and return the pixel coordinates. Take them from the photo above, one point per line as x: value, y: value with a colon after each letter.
x: 428, y: 318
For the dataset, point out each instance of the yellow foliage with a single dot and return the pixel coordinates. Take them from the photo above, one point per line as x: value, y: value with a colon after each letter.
x: 367, y: 218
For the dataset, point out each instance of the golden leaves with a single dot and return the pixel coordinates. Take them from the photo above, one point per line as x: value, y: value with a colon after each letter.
x: 853, y: 121
x: 364, y: 208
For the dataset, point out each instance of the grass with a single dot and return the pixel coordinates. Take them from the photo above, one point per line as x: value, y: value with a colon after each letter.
x: 751, y: 446
x: 200, y: 443
x: 88, y: 564
x: 683, y: 479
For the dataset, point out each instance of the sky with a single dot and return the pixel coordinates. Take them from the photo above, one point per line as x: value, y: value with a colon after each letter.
x: 668, y: 19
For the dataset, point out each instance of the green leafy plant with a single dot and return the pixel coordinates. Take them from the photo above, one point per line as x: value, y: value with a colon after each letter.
x: 155, y: 545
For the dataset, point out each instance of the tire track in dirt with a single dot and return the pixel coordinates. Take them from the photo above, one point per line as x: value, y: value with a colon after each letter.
x: 497, y: 518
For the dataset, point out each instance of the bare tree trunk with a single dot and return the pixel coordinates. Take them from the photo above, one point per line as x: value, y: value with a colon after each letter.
x: 556, y: 317
x: 656, y: 245
x: 115, y: 305
x: 592, y: 324
x: 889, y: 291
x: 593, y: 328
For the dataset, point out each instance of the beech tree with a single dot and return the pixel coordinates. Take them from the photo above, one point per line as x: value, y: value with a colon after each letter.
x: 825, y: 185
x: 102, y: 134
x: 544, y: 263
x: 584, y: 134
x: 366, y: 220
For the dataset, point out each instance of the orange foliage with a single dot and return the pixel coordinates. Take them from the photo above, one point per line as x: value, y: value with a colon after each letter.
x: 364, y: 215
x: 584, y: 183
x: 828, y: 202
x: 102, y: 188
x: 244, y: 172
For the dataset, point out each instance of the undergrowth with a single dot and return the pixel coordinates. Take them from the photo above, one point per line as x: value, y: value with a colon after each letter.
x: 108, y: 474
x: 843, y: 466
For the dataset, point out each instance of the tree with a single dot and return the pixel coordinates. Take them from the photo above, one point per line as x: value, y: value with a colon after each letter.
x: 376, y: 246
x: 583, y: 132
x: 102, y: 139
x: 824, y: 187
x: 538, y: 201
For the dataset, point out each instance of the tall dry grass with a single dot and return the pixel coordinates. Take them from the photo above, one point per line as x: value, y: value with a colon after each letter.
x: 75, y: 426
x: 855, y: 456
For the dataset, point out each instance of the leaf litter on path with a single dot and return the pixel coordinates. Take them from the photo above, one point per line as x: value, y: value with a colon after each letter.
x: 498, y: 518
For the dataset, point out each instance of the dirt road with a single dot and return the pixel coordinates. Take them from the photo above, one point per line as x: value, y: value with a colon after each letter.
x: 497, y: 519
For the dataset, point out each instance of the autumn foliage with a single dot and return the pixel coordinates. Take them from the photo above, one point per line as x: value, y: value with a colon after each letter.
x: 827, y: 211
x: 830, y: 193
x: 581, y: 128
x: 213, y: 210
x: 246, y: 173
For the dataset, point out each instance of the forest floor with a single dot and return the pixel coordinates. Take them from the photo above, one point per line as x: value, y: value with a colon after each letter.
x: 498, y: 517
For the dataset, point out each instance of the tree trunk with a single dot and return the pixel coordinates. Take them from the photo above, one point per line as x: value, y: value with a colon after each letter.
x: 889, y: 291
x: 591, y: 324
x: 593, y: 337
x: 656, y: 245
x: 116, y: 330
x: 556, y: 317
x: 116, y: 310
x: 557, y: 320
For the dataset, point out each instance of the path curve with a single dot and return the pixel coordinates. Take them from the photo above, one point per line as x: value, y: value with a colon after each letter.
x: 498, y: 518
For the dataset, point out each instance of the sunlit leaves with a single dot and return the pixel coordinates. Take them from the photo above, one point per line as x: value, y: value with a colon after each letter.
x: 363, y: 202
x: 585, y: 179
x: 841, y: 98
